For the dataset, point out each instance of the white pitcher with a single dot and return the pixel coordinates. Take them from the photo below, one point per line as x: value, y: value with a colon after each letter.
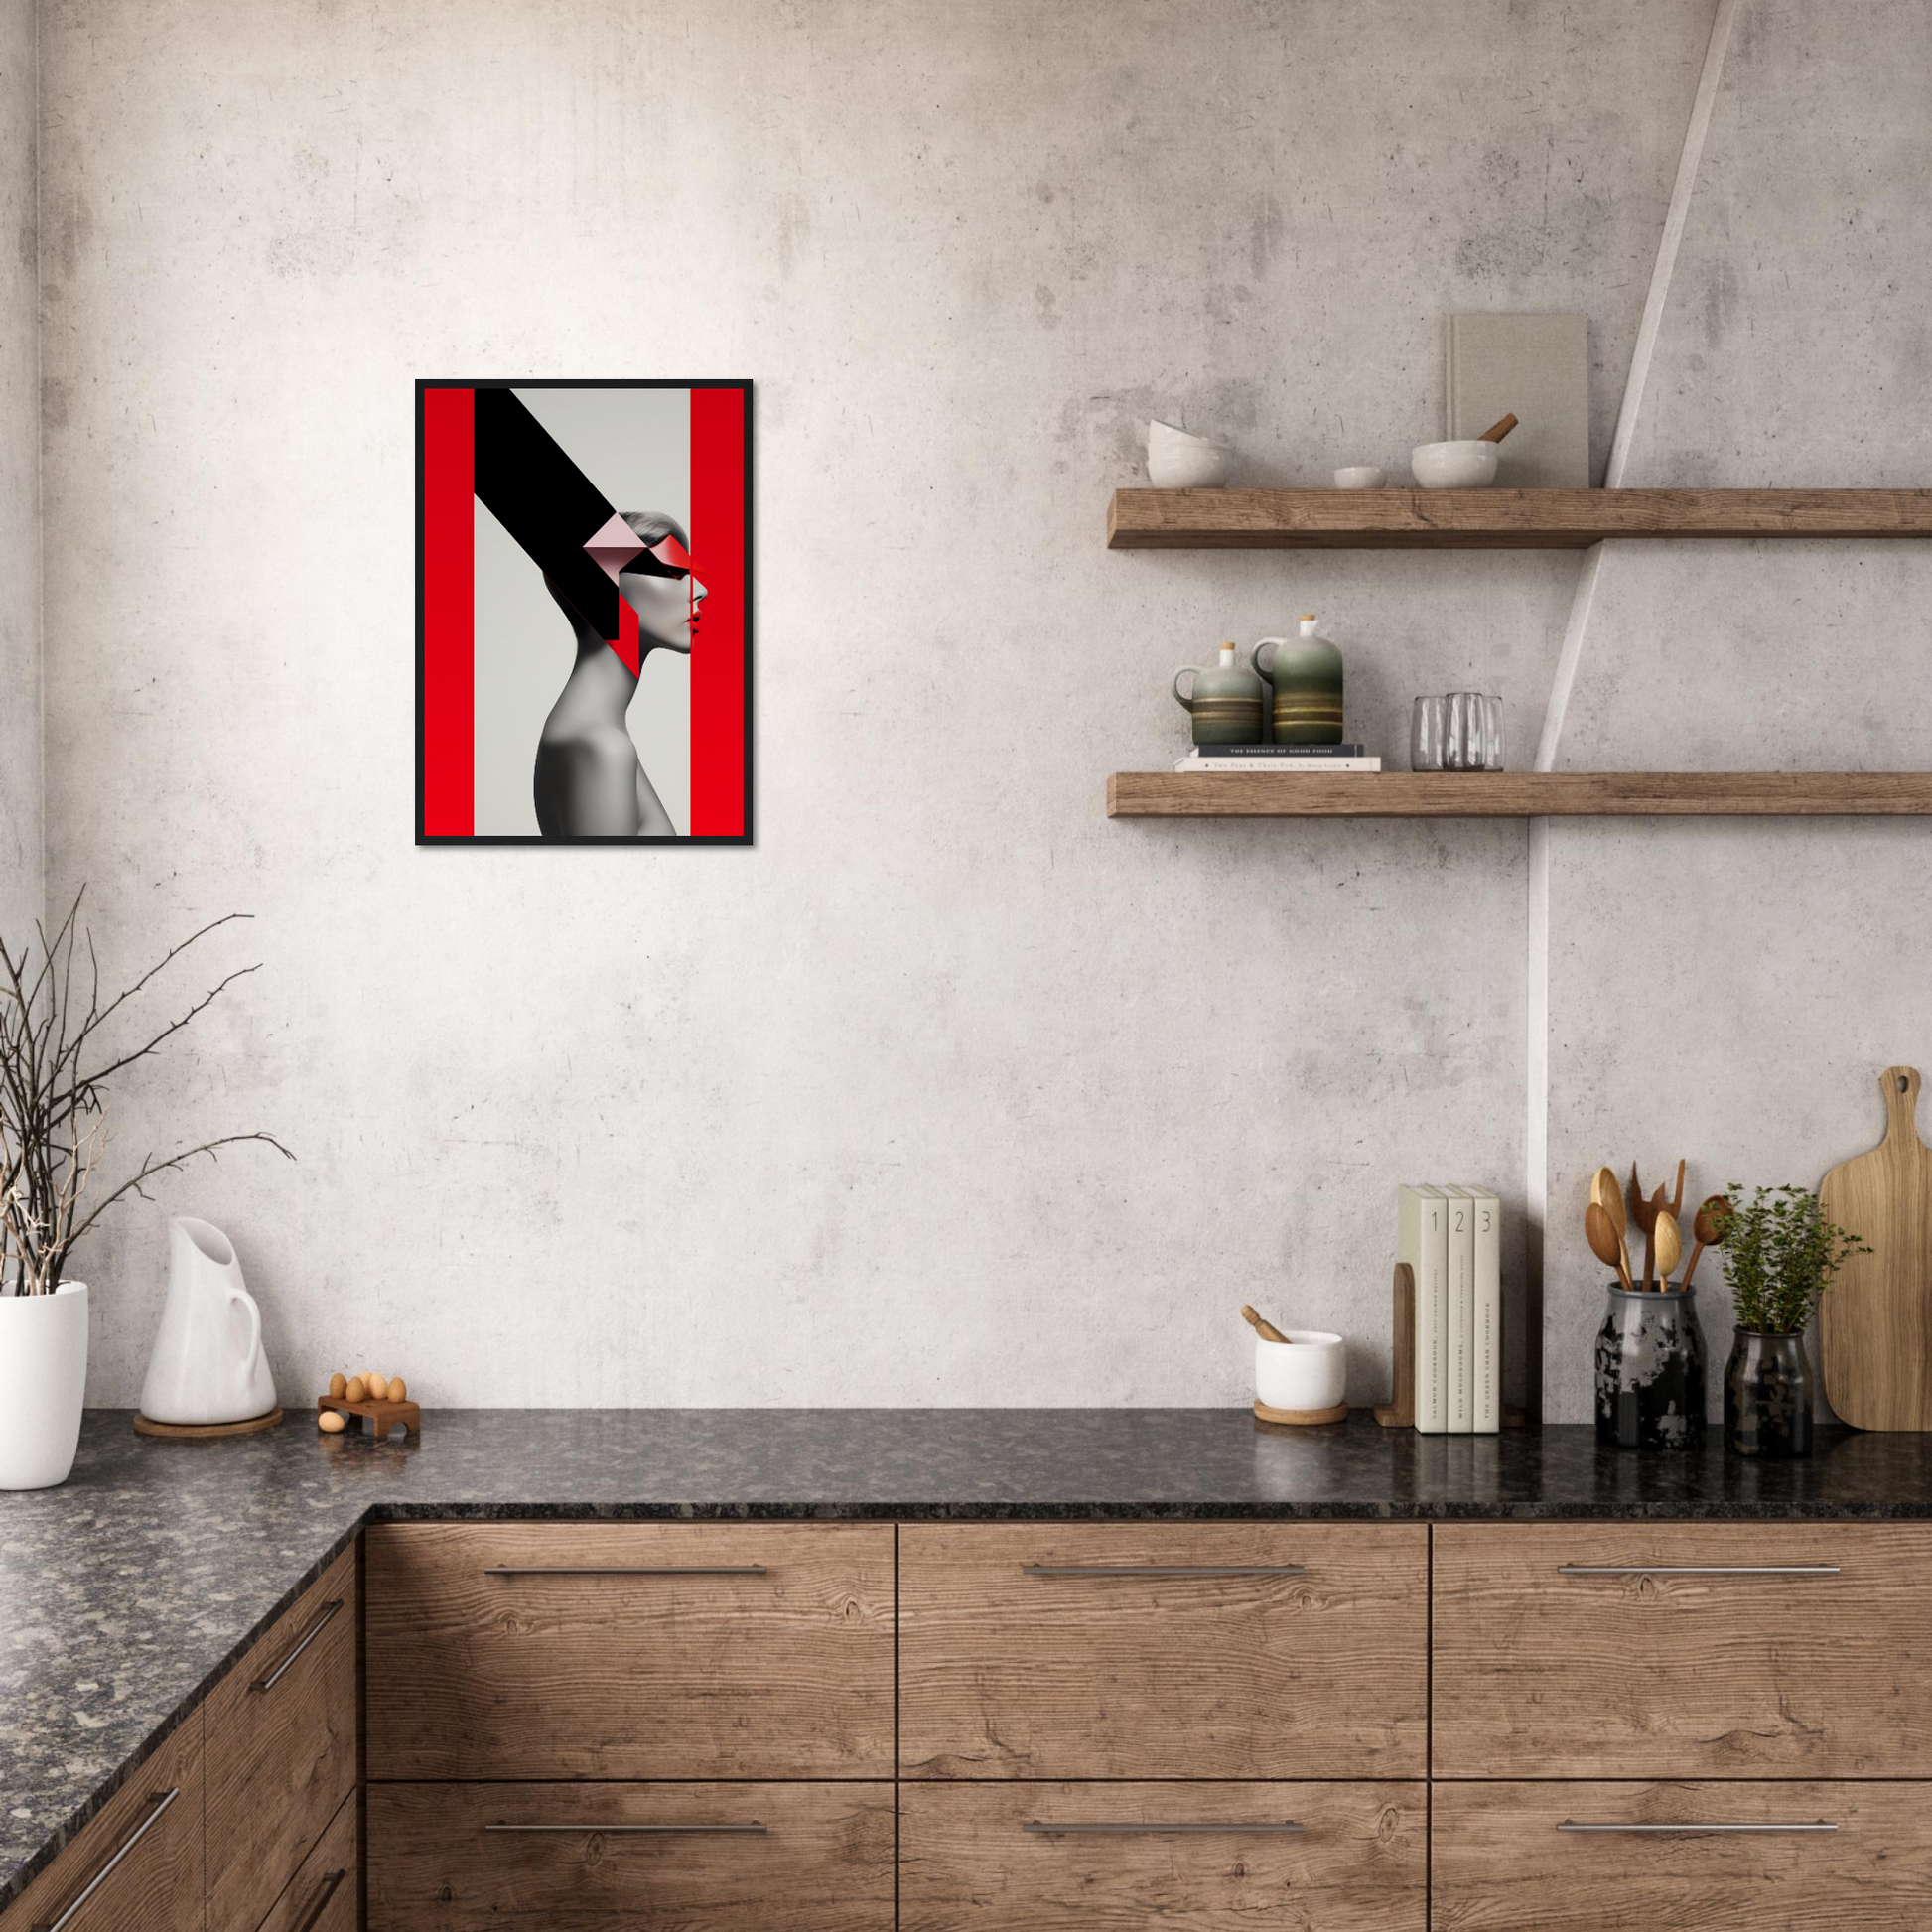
x: 208, y: 1363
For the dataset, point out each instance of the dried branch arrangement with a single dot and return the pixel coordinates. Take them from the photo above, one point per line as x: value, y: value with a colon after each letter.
x: 55, y: 1069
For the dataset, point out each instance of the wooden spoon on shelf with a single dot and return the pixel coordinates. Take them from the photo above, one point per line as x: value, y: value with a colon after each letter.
x: 1260, y: 1323
x: 1669, y: 1240
x: 1605, y: 1193
x: 1497, y: 431
x: 1605, y: 1241
x: 1708, y: 1231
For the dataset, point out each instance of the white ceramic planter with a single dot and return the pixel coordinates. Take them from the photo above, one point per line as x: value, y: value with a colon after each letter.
x: 43, y: 1381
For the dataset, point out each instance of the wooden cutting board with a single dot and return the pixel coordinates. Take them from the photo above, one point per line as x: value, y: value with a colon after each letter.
x: 1875, y: 1329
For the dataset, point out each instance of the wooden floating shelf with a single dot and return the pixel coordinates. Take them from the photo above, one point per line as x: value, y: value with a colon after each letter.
x: 1497, y: 519
x: 1520, y: 794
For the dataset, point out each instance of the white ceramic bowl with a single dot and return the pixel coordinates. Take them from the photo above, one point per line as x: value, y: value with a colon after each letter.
x: 1454, y: 466
x: 1360, y: 475
x: 1310, y: 1370
x: 1179, y: 461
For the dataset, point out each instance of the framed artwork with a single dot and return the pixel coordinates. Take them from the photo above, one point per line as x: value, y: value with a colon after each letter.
x: 583, y: 613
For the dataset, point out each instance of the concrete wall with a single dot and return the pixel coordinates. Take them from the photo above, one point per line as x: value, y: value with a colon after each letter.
x: 949, y: 1091
x: 20, y: 450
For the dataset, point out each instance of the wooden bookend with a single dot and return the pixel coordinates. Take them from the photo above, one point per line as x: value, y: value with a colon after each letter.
x: 1399, y: 1411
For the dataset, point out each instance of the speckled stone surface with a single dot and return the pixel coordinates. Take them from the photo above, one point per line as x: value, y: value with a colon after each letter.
x: 125, y: 1594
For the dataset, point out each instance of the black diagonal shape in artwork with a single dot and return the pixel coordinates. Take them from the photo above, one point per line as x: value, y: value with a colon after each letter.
x: 539, y: 496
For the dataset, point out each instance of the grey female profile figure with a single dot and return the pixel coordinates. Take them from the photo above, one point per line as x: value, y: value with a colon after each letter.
x: 589, y: 780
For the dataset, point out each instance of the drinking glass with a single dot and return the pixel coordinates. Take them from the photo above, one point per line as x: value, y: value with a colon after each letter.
x: 1426, y: 731
x: 1493, y: 734
x: 1464, y: 732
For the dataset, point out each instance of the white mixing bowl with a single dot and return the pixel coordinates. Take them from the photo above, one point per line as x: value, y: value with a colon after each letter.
x: 1454, y: 466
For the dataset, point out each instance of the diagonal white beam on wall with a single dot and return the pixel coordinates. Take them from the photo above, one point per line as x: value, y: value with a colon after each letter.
x: 1536, y: 1130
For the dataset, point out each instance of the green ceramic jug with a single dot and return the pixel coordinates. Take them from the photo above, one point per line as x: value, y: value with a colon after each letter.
x: 1305, y: 673
x: 1226, y: 703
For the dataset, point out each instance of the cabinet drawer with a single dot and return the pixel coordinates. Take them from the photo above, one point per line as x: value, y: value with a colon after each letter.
x: 1503, y: 1862
x: 983, y: 1857
x: 281, y: 1750
x: 1683, y: 1650
x: 1244, y: 1650
x: 629, y: 1651
x: 704, y: 1858
x: 323, y: 1895
x: 136, y: 1866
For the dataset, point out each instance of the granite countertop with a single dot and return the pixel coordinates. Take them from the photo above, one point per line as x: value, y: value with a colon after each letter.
x: 128, y: 1593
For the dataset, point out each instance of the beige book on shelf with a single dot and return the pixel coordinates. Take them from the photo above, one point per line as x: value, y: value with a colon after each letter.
x: 1422, y: 1240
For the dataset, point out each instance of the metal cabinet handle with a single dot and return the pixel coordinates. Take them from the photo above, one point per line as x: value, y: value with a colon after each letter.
x: 628, y: 1570
x: 321, y: 1905
x: 1041, y: 1830
x: 309, y: 1636
x: 160, y: 1800
x: 1697, y: 1570
x: 1162, y: 1569
x: 1569, y: 1824
x: 607, y: 1831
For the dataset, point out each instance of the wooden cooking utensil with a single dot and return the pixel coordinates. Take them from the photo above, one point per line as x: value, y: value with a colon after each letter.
x: 1677, y: 1199
x: 1605, y: 1241
x: 1638, y: 1203
x: 1497, y: 431
x: 1669, y: 1240
x: 1708, y: 1231
x: 1605, y: 1191
x: 1874, y: 1327
x: 1260, y: 1323
x: 1655, y: 1210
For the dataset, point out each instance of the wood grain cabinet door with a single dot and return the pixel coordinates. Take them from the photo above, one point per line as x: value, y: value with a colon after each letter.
x: 647, y: 1650
x: 281, y: 1750
x: 1698, y: 1857
x: 1683, y: 1650
x: 325, y: 1895
x: 611, y: 1857
x: 136, y: 1866
x: 1218, y: 1650
x: 1188, y: 1858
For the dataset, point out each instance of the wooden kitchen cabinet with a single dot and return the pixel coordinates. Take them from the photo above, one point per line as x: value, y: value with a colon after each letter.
x: 1774, y: 1856
x: 325, y: 1893
x: 136, y: 1866
x: 281, y: 1750
x: 1212, y: 1650
x: 630, y: 1651
x: 1683, y: 1650
x: 607, y: 1858
x: 1196, y: 1857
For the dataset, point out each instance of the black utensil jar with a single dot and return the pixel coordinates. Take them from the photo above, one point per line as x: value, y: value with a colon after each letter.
x: 1650, y: 1370
x: 1767, y: 1395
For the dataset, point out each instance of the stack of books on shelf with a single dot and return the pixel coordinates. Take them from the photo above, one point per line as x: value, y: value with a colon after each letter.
x: 1451, y: 1237
x: 1279, y: 757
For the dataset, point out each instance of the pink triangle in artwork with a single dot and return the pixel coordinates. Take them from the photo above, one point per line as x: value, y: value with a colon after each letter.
x: 613, y: 546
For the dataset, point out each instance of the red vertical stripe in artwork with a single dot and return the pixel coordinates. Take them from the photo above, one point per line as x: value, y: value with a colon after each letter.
x: 628, y: 645
x: 718, y: 654
x: 449, y: 612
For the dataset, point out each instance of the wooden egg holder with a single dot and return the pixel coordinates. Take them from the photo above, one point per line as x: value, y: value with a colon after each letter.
x: 1400, y: 1411
x: 380, y: 1417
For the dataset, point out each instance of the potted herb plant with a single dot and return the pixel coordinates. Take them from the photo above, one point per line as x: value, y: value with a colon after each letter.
x: 1780, y: 1254
x: 62, y: 1044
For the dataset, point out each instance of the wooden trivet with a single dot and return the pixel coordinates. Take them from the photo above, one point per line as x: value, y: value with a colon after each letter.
x: 380, y: 1416
x: 201, y: 1432
x: 1301, y: 1418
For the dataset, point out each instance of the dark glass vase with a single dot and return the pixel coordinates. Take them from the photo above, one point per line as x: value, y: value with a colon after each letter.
x: 1767, y: 1395
x: 1650, y: 1370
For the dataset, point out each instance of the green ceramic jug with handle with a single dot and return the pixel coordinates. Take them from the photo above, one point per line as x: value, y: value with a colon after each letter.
x: 1226, y: 701
x: 1306, y: 673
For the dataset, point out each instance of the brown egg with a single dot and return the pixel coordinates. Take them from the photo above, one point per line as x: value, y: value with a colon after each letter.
x: 332, y: 1422
x: 379, y: 1386
x: 358, y: 1390
x: 336, y: 1384
x: 398, y: 1389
